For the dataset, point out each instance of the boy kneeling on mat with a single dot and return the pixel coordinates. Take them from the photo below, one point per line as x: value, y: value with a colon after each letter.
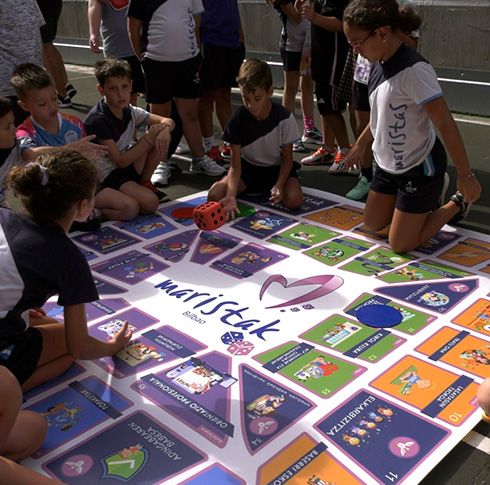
x: 261, y: 134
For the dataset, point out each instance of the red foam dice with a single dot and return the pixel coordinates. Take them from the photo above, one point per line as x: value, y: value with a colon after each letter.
x: 209, y: 216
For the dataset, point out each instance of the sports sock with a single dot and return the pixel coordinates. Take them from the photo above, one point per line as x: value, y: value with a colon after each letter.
x: 208, y: 142
x: 368, y: 173
x: 308, y: 123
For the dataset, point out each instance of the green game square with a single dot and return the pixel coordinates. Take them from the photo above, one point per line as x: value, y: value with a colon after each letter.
x: 322, y: 386
x: 379, y: 260
x: 302, y: 236
x: 329, y: 334
x: 425, y: 270
x: 338, y: 250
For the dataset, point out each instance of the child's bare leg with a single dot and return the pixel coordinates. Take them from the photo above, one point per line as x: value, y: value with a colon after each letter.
x: 161, y: 109
x: 145, y: 166
x: 291, y: 84
x: 21, y: 432
x: 187, y: 109
x: 378, y: 212
x: 55, y: 358
x: 145, y: 198
x: 223, y: 106
x: 205, y: 107
x: 293, y: 194
x: 115, y: 205
x: 409, y: 231
x: 307, y: 88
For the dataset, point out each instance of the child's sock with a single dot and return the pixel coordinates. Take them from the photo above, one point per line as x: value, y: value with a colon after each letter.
x: 208, y: 142
x: 308, y: 123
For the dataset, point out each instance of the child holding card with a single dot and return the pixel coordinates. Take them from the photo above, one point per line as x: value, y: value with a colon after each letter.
x: 38, y: 261
x: 261, y: 134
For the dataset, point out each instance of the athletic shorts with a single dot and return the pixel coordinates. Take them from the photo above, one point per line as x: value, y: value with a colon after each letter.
x: 20, y: 353
x: 220, y: 65
x: 360, y: 97
x: 51, y: 10
x: 417, y: 190
x: 260, y: 180
x: 326, y: 100
x: 120, y: 176
x: 136, y: 74
x: 291, y: 61
x: 168, y: 80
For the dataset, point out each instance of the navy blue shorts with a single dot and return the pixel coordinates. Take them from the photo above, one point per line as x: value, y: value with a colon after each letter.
x: 51, y: 10
x: 327, y: 100
x: 168, y: 80
x: 120, y: 176
x: 20, y: 353
x: 136, y: 74
x: 220, y: 65
x: 260, y: 180
x: 360, y: 97
x: 291, y: 61
x: 417, y: 191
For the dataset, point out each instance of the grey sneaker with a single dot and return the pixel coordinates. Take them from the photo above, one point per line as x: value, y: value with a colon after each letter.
x: 183, y: 148
x: 207, y: 166
x: 299, y: 146
x: 161, y: 175
x: 464, y: 208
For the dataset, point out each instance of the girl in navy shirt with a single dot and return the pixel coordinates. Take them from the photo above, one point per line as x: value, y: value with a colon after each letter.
x: 38, y: 260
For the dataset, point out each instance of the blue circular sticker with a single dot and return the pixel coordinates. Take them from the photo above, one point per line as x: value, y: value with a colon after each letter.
x: 379, y: 316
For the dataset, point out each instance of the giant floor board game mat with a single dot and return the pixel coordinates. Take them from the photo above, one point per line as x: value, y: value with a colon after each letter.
x: 284, y: 347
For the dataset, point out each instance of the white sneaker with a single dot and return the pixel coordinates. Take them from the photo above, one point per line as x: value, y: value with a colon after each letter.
x: 161, y: 175
x: 207, y: 166
x: 183, y: 148
x: 340, y: 166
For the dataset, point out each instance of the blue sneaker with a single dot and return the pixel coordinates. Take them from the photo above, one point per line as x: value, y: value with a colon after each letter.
x: 360, y: 190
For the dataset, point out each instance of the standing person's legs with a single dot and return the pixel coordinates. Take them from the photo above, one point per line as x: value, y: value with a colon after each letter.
x: 52, y: 60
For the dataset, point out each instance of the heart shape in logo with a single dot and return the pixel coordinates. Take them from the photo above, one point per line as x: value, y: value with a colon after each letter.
x: 325, y: 284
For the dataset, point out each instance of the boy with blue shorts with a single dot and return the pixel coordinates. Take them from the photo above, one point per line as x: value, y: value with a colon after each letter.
x: 261, y: 135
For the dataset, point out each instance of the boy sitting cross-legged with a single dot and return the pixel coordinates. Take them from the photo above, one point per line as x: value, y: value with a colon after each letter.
x: 129, y: 165
x: 261, y: 134
x: 46, y: 130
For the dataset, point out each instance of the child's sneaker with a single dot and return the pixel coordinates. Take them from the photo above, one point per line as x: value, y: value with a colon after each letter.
x: 64, y: 101
x: 162, y: 196
x: 322, y: 156
x: 360, y: 190
x: 207, y: 166
x: 299, y: 147
x: 70, y: 90
x: 215, y: 155
x: 183, y: 148
x: 312, y: 136
x: 340, y: 166
x: 464, y: 208
x: 161, y: 174
x: 226, y: 151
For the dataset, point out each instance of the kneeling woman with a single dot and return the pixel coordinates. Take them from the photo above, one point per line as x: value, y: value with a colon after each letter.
x: 38, y: 260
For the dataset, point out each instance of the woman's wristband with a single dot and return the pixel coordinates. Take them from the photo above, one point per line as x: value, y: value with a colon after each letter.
x: 470, y: 175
